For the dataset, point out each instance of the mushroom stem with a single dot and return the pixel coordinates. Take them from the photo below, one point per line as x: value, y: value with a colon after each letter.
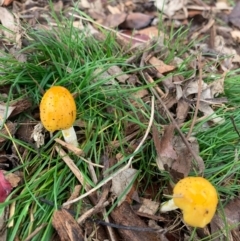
x: 70, y: 136
x: 168, y: 206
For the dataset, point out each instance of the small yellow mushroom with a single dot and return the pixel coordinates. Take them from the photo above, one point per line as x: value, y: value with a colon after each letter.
x: 197, y: 198
x: 58, y: 112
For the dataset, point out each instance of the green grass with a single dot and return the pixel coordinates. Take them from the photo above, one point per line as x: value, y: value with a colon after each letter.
x: 65, y: 56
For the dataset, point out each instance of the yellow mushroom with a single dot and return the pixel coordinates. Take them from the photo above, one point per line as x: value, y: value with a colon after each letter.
x: 197, y: 198
x: 58, y: 112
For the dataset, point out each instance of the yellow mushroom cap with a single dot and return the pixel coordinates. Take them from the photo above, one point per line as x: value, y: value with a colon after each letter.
x: 197, y: 198
x: 57, y: 109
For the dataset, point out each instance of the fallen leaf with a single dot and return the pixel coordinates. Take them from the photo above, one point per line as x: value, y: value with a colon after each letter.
x: 230, y: 216
x: 152, y: 32
x: 234, y: 16
x: 5, y: 187
x: 148, y: 206
x: 117, y: 73
x: 173, y: 155
x: 38, y: 135
x: 6, y: 2
x: 136, y: 21
x: 5, y: 112
x: 114, y: 20
x: 160, y: 65
x: 165, y: 151
x: 184, y: 161
x: 222, y: 4
x: 182, y: 111
x: 121, y: 182
x: 9, y: 127
x: 170, y: 7
x: 236, y: 35
x: 113, y: 9
x: 209, y: 112
x: 220, y: 46
x: 7, y: 21
x: 13, y: 179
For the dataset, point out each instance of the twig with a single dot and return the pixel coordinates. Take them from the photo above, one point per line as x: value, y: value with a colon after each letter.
x: 234, y: 125
x: 73, y: 168
x: 92, y: 211
x: 150, y: 80
x: 77, y: 151
x: 37, y: 230
x: 198, y: 95
x: 125, y: 167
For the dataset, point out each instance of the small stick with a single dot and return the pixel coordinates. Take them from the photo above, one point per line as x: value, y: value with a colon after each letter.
x: 234, y: 125
x: 150, y: 80
x: 37, y: 230
x: 72, y: 166
x: 74, y: 149
x: 125, y: 167
x: 92, y: 211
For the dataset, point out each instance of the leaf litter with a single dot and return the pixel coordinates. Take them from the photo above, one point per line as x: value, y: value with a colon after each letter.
x: 176, y: 99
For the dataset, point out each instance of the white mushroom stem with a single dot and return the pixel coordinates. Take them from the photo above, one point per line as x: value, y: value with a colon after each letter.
x: 70, y: 136
x: 168, y: 206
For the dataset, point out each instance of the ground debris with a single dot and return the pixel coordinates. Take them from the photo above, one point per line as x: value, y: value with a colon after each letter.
x: 66, y: 226
x: 124, y: 215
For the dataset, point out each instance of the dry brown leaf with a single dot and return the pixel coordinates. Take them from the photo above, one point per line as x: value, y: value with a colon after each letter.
x: 173, y: 155
x: 136, y: 21
x: 184, y: 161
x: 9, y: 127
x: 208, y: 111
x: 58, y: 6
x: 13, y: 179
x: 234, y: 16
x: 121, y: 182
x: 117, y: 73
x: 113, y: 9
x: 6, y: 2
x: 220, y: 46
x: 182, y: 111
x: 165, y: 151
x: 231, y: 217
x: 113, y: 20
x: 152, y: 31
x: 148, y: 206
x: 8, y: 22
x: 236, y: 35
x: 170, y: 7
x: 217, y: 86
x: 5, y: 112
x: 160, y: 65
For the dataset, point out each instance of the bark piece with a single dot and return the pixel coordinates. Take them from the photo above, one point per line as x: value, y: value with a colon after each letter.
x: 124, y: 215
x: 66, y: 226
